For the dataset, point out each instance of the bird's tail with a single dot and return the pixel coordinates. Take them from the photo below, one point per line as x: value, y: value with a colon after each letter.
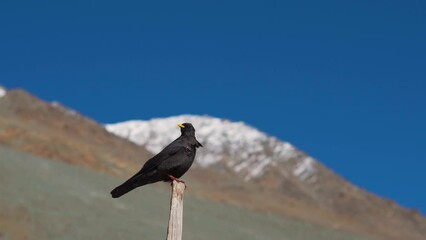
x: 123, y: 189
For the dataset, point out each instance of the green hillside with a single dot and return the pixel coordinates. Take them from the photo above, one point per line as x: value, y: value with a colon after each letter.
x: 43, y: 199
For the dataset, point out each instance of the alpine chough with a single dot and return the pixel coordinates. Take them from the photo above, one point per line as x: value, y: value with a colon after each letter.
x: 168, y: 165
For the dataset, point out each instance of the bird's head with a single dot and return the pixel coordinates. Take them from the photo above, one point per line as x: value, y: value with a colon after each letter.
x: 186, y: 128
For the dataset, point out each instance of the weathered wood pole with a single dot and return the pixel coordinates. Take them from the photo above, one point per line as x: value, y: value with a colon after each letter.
x: 174, y: 231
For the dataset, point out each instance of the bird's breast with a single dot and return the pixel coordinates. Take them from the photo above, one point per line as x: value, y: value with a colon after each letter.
x: 189, y: 150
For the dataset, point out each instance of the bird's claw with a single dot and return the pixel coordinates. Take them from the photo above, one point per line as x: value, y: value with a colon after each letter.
x: 176, y: 179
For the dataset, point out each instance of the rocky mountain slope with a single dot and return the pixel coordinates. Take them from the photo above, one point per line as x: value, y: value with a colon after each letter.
x: 56, y: 132
x: 239, y: 165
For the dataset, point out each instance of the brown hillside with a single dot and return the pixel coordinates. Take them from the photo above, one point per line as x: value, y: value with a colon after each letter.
x: 52, y: 131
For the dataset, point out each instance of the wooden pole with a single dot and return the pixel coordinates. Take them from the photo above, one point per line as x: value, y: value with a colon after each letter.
x: 174, y: 231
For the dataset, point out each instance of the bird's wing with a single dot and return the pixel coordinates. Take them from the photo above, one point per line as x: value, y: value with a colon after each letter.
x: 158, y: 159
x: 162, y: 156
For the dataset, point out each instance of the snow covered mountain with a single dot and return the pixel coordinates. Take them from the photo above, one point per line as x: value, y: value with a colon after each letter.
x: 233, y: 145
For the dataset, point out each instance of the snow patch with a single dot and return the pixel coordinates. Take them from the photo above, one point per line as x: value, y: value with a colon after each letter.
x: 2, y: 92
x: 304, y: 168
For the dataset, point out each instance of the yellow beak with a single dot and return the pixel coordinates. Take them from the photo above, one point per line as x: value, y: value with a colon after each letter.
x: 181, y: 125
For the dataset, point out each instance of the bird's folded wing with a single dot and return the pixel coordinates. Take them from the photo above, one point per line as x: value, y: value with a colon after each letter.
x: 155, y: 161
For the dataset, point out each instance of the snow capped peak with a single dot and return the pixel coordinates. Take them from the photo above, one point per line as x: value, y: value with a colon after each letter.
x: 2, y: 91
x: 237, y: 146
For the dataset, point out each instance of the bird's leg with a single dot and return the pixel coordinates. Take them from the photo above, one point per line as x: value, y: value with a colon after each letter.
x: 176, y: 179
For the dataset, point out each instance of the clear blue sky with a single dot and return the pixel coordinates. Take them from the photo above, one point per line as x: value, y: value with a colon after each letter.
x: 345, y: 81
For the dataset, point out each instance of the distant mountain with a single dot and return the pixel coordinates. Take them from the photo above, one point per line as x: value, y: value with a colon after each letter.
x: 239, y: 165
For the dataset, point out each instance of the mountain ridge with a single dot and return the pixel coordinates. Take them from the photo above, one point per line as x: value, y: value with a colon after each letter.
x: 29, y: 124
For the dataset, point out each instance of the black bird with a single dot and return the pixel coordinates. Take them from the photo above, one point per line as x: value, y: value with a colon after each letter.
x: 168, y: 165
